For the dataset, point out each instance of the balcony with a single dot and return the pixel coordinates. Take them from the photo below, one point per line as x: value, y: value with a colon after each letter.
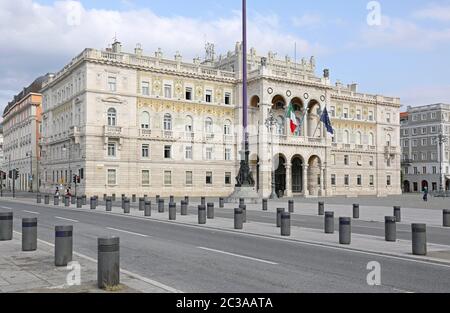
x: 112, y: 131
x: 407, y: 161
x: 145, y: 133
x: 167, y: 134
x: 74, y: 131
x: 208, y: 137
x: 390, y: 150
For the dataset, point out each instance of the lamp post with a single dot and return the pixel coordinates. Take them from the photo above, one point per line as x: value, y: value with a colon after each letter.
x: 70, y: 171
x: 30, y: 178
x: 270, y: 122
x: 441, y: 140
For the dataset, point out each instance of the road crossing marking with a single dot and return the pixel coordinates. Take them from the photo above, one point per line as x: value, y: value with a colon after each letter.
x: 127, y: 232
x: 31, y: 212
x: 238, y: 255
x: 66, y: 219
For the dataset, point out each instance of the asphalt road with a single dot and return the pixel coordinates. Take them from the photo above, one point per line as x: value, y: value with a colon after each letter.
x: 195, y: 259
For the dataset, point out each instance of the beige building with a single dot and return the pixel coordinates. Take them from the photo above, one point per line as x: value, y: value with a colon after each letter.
x: 134, y: 124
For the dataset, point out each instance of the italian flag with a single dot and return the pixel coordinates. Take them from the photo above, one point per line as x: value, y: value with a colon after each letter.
x: 292, y: 118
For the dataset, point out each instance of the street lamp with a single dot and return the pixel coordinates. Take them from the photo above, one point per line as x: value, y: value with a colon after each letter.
x: 30, y: 178
x: 441, y: 140
x: 270, y: 122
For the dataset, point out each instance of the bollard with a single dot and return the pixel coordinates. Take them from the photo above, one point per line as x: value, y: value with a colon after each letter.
x: 172, y: 211
x: 279, y: 211
x: 244, y: 212
x: 73, y: 199
x: 241, y: 201
x: 123, y: 203
x: 133, y: 198
x: 108, y: 266
x: 93, y: 206
x: 285, y: 224
x: 171, y: 199
x: 390, y: 228
x: 157, y: 198
x: 203, y: 201
x: 356, y: 211
x: 96, y: 201
x: 6, y: 226
x: 446, y: 218
x: 161, y: 206
x: 113, y: 198
x: 184, y: 207
x: 55, y: 200
x: 67, y: 200
x: 419, y: 239
x: 126, y: 208
x: 108, y: 204
x: 221, y: 202
x: 141, y: 204
x: 104, y: 196
x: 79, y: 202
x: 321, y: 208
x: 186, y: 199
x: 29, y: 234
x: 291, y: 206
x: 46, y: 199
x: 264, y: 204
x: 345, y: 230
x: 329, y: 222
x: 147, y: 208
x: 210, y: 211
x: 398, y: 214
x: 238, y: 219
x: 63, y: 245
x: 201, y: 214
x: 39, y: 198
x: 84, y: 198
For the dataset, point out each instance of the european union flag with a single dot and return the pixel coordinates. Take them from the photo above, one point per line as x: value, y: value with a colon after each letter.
x: 325, y: 119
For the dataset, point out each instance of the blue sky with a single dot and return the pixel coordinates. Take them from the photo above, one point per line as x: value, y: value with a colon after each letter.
x: 405, y: 56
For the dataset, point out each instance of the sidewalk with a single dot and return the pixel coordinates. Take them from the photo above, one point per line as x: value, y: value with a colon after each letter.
x: 35, y: 272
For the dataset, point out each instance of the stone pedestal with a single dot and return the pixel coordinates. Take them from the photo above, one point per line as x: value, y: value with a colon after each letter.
x: 248, y: 193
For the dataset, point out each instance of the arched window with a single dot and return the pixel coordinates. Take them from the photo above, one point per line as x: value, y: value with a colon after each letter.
x: 346, y: 136
x: 145, y: 120
x: 208, y: 125
x: 189, y: 126
x: 167, y: 122
x: 112, y: 117
x: 227, y: 127
x: 371, y: 139
x: 281, y: 125
x: 358, y: 138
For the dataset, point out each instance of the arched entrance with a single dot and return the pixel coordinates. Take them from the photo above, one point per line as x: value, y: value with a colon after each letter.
x: 280, y: 175
x: 297, y: 174
x: 314, y: 177
x: 406, y: 186
x: 425, y: 185
x: 447, y: 184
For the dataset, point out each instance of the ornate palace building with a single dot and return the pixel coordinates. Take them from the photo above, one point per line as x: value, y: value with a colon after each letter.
x: 135, y: 124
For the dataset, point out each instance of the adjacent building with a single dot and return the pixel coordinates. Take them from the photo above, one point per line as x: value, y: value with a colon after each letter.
x: 425, y: 154
x: 136, y: 124
x: 21, y: 134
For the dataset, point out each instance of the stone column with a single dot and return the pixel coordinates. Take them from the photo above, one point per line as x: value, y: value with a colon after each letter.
x: 322, y: 182
x: 305, y: 180
x: 288, y: 180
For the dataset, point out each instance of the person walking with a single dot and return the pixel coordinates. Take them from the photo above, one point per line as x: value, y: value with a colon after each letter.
x: 425, y: 194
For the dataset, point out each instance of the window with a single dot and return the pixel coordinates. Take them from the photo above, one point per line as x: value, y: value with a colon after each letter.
x: 415, y: 157
x: 145, y: 177
x: 358, y: 114
x: 145, y: 151
x: 227, y: 127
x: 112, y: 83
x: 359, y: 180
x: 371, y: 139
x: 333, y: 111
x: 370, y: 116
x: 346, y: 137
x: 189, y: 127
x: 111, y: 149
x: 209, y: 152
x: 111, y: 176
x: 208, y: 126
x: 208, y: 96
x: 188, y: 93
x: 188, y: 178
x: 345, y: 112
x: 414, y: 143
x: 424, y: 170
x: 433, y: 115
x: 388, y: 140
x: 333, y: 179
x: 433, y: 129
x: 358, y: 138
x: 423, y: 156
x: 424, y: 130
x: 424, y: 141
x: 424, y: 116
x: 112, y: 117
x: 416, y: 171
x: 168, y: 91
x: 167, y: 122
x: 227, y: 154
x: 346, y: 180
x: 145, y: 88
x: 188, y: 153
x: 167, y: 152
x: 227, y: 178
x: 145, y: 120
x: 371, y: 180
x: 388, y: 180
x: 433, y: 156
x: 388, y: 117
x: 414, y: 131
x: 406, y: 170
x: 209, y: 178
x: 346, y: 160
x: 333, y: 159
x: 434, y: 170
x: 167, y: 178
x: 227, y: 98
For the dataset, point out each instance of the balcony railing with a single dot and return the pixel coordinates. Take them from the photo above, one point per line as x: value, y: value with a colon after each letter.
x: 390, y: 150
x: 167, y: 134
x: 145, y: 132
x: 189, y: 135
x: 208, y: 137
x: 113, y: 131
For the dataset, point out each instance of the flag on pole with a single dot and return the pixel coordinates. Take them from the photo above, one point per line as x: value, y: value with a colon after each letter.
x: 292, y: 118
x: 325, y: 119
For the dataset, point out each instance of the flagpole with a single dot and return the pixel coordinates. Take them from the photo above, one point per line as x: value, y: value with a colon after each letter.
x: 314, y: 135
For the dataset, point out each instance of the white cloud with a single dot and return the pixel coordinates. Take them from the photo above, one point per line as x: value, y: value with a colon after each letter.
x: 36, y: 38
x: 307, y: 20
x: 422, y: 95
x: 435, y: 12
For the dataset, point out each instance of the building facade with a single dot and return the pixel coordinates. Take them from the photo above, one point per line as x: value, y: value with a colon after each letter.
x: 135, y: 124
x: 424, y: 164
x: 21, y: 131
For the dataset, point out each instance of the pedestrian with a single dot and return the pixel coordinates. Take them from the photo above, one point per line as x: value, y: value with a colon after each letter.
x: 425, y: 194
x: 57, y: 191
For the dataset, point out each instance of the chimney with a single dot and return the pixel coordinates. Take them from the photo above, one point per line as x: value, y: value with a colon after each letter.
x: 138, y: 50
x: 117, y: 46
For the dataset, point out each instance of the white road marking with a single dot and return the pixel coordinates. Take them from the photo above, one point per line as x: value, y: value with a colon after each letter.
x: 134, y: 275
x: 66, y: 219
x: 127, y: 232
x: 404, y: 291
x: 238, y: 255
x: 6, y: 208
x: 31, y: 212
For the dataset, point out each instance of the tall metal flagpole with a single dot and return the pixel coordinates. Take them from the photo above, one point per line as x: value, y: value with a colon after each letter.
x: 244, y: 178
